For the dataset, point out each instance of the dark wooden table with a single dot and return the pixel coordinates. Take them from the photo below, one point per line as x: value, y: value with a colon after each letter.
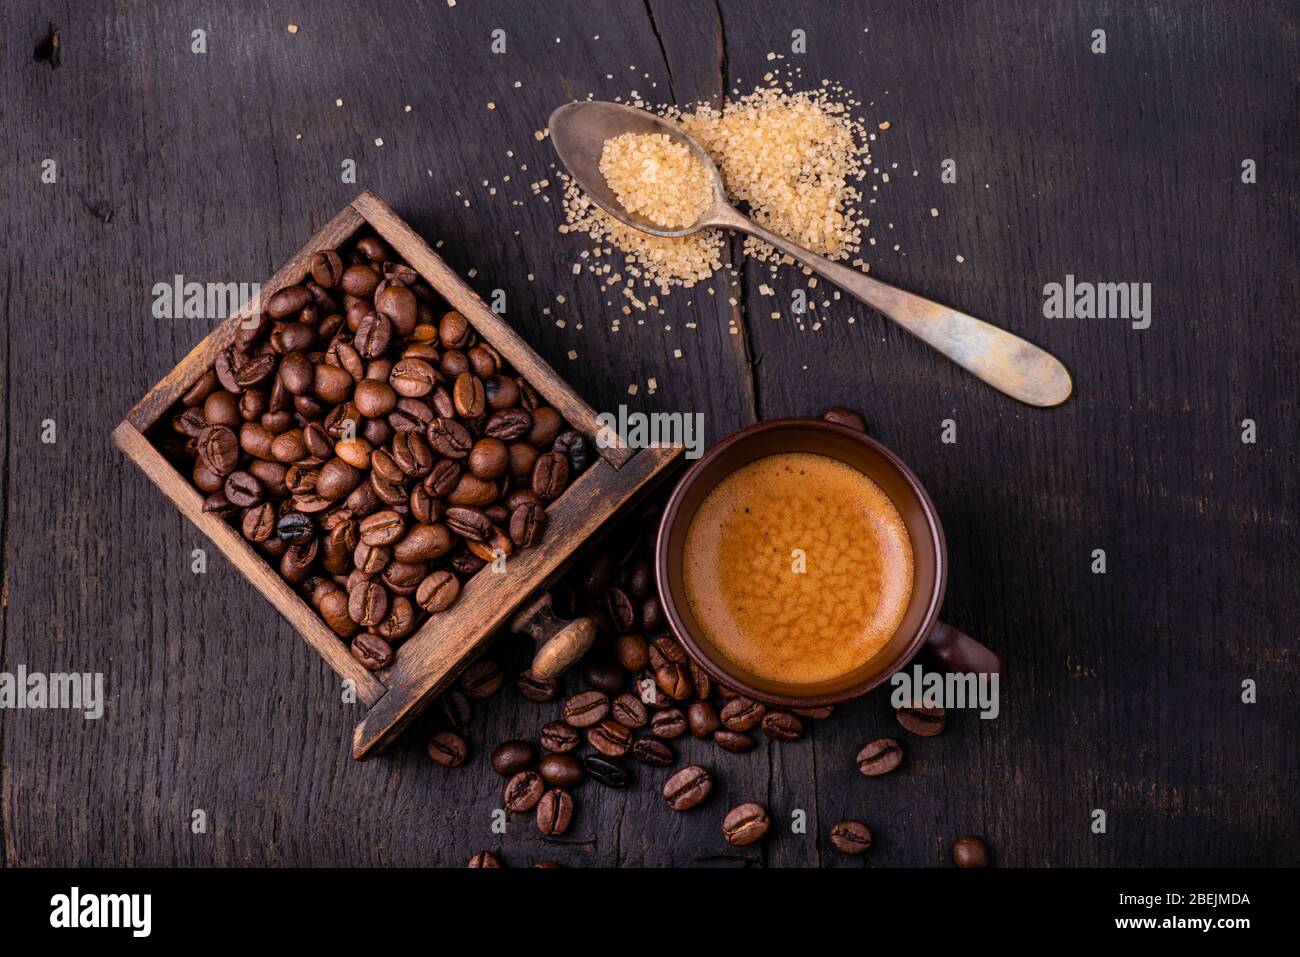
x: 1125, y: 688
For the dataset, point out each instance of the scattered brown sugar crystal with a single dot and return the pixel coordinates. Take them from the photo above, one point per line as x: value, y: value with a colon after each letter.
x: 791, y: 159
x: 656, y: 178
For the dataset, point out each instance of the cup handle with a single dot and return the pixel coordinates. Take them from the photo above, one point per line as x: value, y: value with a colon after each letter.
x: 955, y: 651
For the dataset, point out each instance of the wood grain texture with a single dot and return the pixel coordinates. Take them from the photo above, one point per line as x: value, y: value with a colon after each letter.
x: 1123, y: 690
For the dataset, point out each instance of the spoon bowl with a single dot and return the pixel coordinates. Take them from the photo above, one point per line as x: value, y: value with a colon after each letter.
x: 1007, y: 362
x: 579, y: 132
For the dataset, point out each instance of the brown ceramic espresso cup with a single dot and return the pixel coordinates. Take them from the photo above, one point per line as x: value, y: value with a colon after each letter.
x: 919, y: 628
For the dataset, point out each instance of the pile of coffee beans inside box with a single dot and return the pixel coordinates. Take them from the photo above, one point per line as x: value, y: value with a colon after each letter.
x: 630, y: 697
x: 371, y: 446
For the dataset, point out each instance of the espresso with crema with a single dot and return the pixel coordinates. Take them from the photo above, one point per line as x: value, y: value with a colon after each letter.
x: 798, y: 567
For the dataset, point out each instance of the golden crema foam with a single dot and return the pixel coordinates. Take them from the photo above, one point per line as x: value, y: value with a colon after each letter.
x: 798, y: 567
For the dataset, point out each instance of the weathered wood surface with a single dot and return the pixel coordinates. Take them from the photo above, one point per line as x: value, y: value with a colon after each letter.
x: 1124, y: 689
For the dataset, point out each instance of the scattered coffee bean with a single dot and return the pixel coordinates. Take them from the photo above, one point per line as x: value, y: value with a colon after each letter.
x: 668, y: 724
x: 782, y: 726
x: 628, y: 709
x: 608, y: 772
x: 851, y: 837
x: 554, y: 812
x: 448, y: 749
x: 586, y: 708
x: 610, y: 738
x: 969, y: 851
x: 879, y: 757
x: 741, y: 714
x: 536, y: 689
x: 688, y: 788
x: 737, y: 742
x: 842, y: 416
x: 523, y: 791
x: 482, y: 679
x: 558, y: 737
x: 745, y: 824
x: 926, y: 722
x: 511, y: 757
x: 561, y: 770
x: 653, y: 752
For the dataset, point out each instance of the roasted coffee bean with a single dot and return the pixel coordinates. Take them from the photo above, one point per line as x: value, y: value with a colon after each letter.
x: 851, y: 837
x: 218, y: 449
x: 629, y: 710
x: 561, y: 770
x: 926, y: 722
x: 327, y: 268
x: 652, y: 752
x: 745, y: 824
x: 403, y: 578
x: 550, y: 476
x: 546, y: 428
x: 820, y: 713
x: 523, y: 791
x: 287, y: 301
x: 501, y: 392
x: 373, y: 335
x: 222, y: 408
x: 259, y: 522
x: 242, y: 489
x: 605, y: 675
x: 573, y: 446
x: 397, y: 304
x: 558, y: 737
x: 469, y: 523
x: 511, y: 757
x: 508, y: 425
x: 294, y: 527
x: 651, y: 615
x: 466, y: 563
x: 374, y: 398
x: 453, y: 330
x: 522, y: 459
x: 371, y: 559
x: 468, y: 396
x: 969, y: 851
x: 337, y: 479
x: 879, y: 757
x: 527, y: 522
x: 488, y: 459
x: 673, y: 679
x: 455, y: 709
x: 413, y: 378
x: 536, y: 689
x: 688, y: 788
x: 382, y: 528
x: 610, y: 738
x: 737, y: 742
x: 669, y: 723
x: 200, y: 390
x: 782, y: 726
x: 368, y: 603
x: 621, y: 608
x: 703, y: 719
x: 297, y: 561
x: 640, y: 578
x: 218, y: 504
x: 448, y: 749
x: 842, y: 416
x: 411, y: 454
x: 554, y: 812
x: 333, y: 607
x: 741, y: 714
x: 482, y: 679
x: 702, y: 682
x: 424, y: 543
x: 448, y: 437
x: 607, y: 771
x: 372, y: 651
x: 631, y: 651
x: 586, y: 708
x: 438, y: 591
x: 400, y: 620
x: 483, y: 859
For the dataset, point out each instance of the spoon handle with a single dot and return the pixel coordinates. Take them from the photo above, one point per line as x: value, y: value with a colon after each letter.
x: 1006, y: 362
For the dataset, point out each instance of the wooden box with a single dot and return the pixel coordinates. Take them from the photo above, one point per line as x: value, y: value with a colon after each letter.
x: 432, y: 657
